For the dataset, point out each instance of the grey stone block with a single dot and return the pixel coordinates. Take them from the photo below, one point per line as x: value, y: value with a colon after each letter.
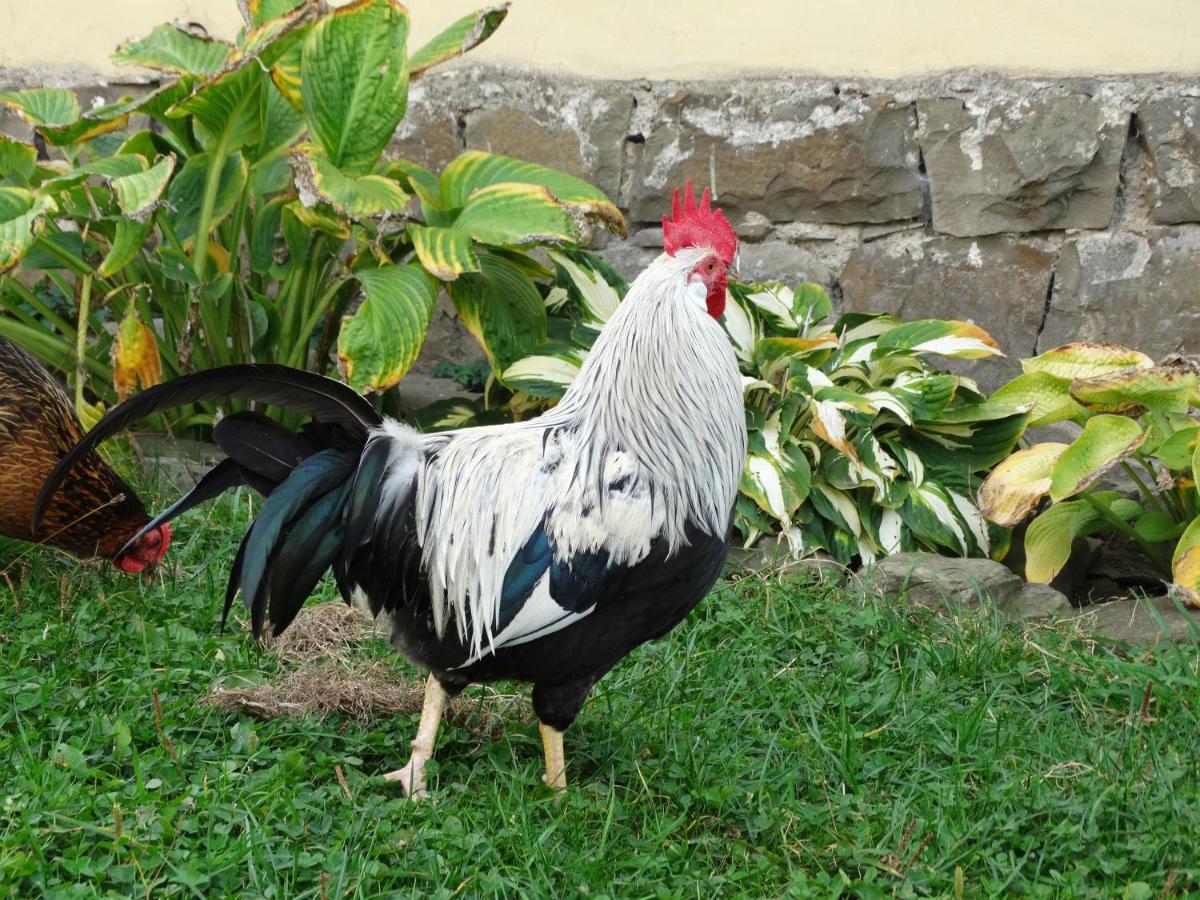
x: 1171, y: 131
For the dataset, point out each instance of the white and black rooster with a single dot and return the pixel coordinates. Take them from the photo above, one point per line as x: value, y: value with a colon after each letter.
x: 541, y: 551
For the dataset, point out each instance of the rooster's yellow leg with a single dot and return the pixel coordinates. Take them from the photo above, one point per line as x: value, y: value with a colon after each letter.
x: 412, y: 776
x: 556, y: 761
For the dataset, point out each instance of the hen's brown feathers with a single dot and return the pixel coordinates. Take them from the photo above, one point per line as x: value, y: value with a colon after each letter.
x: 95, y: 511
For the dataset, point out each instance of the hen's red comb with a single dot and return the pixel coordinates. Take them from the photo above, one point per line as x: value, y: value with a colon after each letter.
x: 698, y: 226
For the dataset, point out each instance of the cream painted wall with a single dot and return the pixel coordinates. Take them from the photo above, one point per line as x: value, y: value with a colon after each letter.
x: 706, y: 38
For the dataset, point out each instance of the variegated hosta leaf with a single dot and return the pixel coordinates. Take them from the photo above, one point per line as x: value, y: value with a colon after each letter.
x: 379, y: 343
x: 476, y: 170
x: 135, y: 356
x: 810, y: 304
x: 1013, y: 490
x: 21, y: 220
x: 763, y: 481
x: 835, y: 506
x: 1105, y: 441
x: 1050, y: 396
x: 444, y: 252
x: 1164, y: 389
x: 929, y: 511
x: 173, y: 50
x: 467, y: 33
x: 1087, y: 360
x: 743, y: 327
x: 963, y: 340
x: 358, y: 196
x: 598, y: 298
x: 544, y: 374
x: 775, y: 301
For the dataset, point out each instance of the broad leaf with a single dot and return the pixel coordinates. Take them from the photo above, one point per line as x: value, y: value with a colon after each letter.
x: 128, y: 238
x: 21, y: 220
x: 173, y: 50
x: 444, y: 252
x: 44, y: 107
x: 1049, y: 395
x: 501, y: 307
x: 1105, y: 441
x: 187, y: 188
x: 135, y: 356
x: 544, y: 374
x: 467, y: 33
x: 355, y: 85
x: 1013, y: 490
x: 138, y: 194
x: 226, y: 111
x: 1163, y: 389
x: 962, y: 340
x: 1185, y: 564
x: 1087, y: 360
x: 598, y: 298
x: 356, y: 196
x: 516, y: 214
x: 100, y: 120
x: 1049, y: 537
x: 379, y: 343
x: 476, y: 170
x: 18, y: 160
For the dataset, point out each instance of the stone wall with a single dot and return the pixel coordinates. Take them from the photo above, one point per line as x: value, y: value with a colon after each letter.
x: 1044, y: 211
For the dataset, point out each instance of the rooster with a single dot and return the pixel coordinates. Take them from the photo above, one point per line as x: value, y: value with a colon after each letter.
x: 96, y: 513
x: 541, y: 551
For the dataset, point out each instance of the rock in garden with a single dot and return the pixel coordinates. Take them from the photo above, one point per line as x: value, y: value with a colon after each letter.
x: 791, y: 155
x: 1146, y: 622
x: 1171, y: 130
x: 943, y: 583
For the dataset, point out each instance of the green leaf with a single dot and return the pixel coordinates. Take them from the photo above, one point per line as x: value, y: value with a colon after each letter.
x: 476, y: 170
x: 1156, y: 527
x: 1048, y: 395
x: 962, y: 340
x: 100, y: 120
x: 44, y: 107
x: 21, y: 220
x: 138, y: 194
x: 1049, y: 537
x: 444, y: 252
x: 356, y: 196
x: 18, y: 160
x: 171, y: 49
x: 1087, y: 360
x: 187, y: 189
x: 501, y: 307
x: 127, y: 240
x: 1164, y: 389
x: 264, y: 235
x: 379, y: 343
x: 1176, y: 451
x: 1014, y: 488
x: 1105, y: 441
x: 259, y: 12
x: 355, y: 84
x: 415, y: 179
x: 226, y: 111
x: 467, y: 33
x: 810, y: 304
x: 1185, y: 564
x: 516, y: 214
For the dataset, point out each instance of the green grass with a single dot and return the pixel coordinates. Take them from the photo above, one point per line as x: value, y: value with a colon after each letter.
x: 787, y: 739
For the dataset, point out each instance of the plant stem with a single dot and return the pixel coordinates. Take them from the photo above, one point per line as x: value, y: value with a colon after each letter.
x: 1151, y: 551
x: 85, y: 302
x: 1151, y: 496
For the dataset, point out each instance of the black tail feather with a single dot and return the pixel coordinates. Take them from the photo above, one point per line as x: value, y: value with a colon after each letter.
x: 305, y: 392
x: 263, y: 446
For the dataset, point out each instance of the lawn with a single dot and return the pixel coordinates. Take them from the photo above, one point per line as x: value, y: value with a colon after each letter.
x: 790, y: 738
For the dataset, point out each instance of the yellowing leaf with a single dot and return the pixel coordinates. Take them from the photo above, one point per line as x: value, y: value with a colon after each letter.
x: 1185, y: 564
x: 1049, y: 395
x: 1132, y: 392
x: 1105, y: 441
x: 1086, y: 360
x: 135, y: 356
x: 1015, y: 487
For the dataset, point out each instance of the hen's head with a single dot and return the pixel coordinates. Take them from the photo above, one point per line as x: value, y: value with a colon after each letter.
x: 145, y: 550
x: 704, y: 228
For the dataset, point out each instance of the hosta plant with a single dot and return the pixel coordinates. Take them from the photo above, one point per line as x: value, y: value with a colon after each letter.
x: 244, y: 210
x: 1138, y: 419
x: 859, y: 444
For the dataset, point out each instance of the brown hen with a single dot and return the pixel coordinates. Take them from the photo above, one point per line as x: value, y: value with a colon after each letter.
x: 96, y: 512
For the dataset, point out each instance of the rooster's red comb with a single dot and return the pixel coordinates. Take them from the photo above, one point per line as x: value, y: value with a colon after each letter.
x: 698, y: 226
